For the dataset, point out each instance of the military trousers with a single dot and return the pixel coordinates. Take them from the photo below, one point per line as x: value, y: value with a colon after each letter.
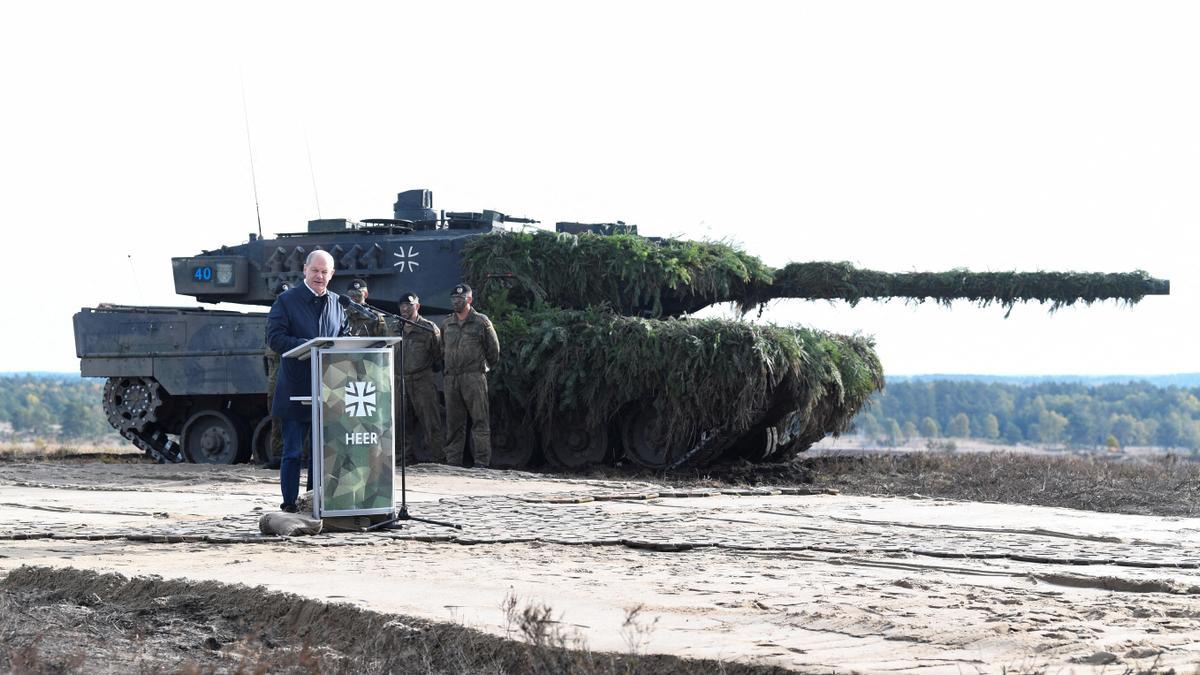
x: 420, y: 408
x: 467, y: 399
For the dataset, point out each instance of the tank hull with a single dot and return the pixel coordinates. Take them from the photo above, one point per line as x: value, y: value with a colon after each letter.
x: 176, y: 374
x: 190, y: 384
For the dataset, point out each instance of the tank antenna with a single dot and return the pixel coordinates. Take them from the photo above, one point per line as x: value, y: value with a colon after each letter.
x: 250, y: 149
x: 311, y: 172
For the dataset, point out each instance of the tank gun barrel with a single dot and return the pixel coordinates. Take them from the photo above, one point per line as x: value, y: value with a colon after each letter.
x: 844, y: 281
x: 635, y: 275
x: 505, y: 218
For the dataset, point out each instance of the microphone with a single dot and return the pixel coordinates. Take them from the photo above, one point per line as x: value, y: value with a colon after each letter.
x: 358, y: 309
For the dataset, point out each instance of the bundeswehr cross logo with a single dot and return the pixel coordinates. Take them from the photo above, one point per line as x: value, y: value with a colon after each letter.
x: 406, y: 259
x: 360, y: 399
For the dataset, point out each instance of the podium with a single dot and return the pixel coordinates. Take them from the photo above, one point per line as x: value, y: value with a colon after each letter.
x: 353, y: 433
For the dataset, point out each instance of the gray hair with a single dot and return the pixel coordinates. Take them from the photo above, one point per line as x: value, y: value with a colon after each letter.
x: 308, y: 260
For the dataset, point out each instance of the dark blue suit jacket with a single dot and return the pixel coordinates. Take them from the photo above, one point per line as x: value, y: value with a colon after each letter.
x: 296, y: 317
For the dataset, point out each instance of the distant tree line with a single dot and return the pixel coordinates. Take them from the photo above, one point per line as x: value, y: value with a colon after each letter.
x: 1124, y: 414
x: 1118, y: 414
x: 62, y: 407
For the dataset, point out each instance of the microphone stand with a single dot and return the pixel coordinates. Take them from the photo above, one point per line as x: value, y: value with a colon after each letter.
x: 383, y: 312
x: 403, y: 513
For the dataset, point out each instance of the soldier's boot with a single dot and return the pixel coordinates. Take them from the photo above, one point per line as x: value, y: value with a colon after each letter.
x: 435, y: 442
x: 439, y: 455
x: 483, y: 457
x: 456, y: 443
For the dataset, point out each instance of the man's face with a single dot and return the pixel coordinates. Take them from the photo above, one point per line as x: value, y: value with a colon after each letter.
x: 358, y: 295
x: 318, y: 272
x: 459, y: 302
x: 408, y: 310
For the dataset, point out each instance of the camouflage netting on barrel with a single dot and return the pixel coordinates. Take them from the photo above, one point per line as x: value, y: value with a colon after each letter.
x: 844, y: 281
x: 668, y: 277
x: 678, y: 392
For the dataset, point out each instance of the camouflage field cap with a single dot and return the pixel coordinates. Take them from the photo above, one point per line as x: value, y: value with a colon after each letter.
x: 461, y: 289
x: 357, y: 288
x: 408, y: 298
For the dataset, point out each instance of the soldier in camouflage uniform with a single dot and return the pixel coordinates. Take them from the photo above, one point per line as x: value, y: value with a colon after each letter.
x: 422, y: 358
x: 469, y: 347
x: 272, y: 363
x: 359, y: 325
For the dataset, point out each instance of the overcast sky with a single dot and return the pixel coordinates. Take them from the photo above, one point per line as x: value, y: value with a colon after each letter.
x: 897, y: 135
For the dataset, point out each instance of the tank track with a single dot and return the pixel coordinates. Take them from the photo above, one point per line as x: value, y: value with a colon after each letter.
x: 157, y: 445
x: 133, y: 402
x: 133, y: 406
x: 705, y: 451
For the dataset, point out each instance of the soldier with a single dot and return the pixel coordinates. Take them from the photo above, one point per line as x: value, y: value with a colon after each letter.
x: 469, y: 347
x: 272, y: 359
x: 359, y: 325
x: 422, y: 358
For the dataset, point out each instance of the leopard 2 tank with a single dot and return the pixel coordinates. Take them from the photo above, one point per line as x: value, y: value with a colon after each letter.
x: 601, y: 359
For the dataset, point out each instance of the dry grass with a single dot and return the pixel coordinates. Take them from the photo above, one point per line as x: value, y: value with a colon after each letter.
x: 32, y: 451
x: 68, y: 621
x: 1165, y: 486
x: 1162, y: 485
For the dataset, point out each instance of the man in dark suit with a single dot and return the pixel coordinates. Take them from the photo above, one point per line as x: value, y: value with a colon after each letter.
x: 307, y: 311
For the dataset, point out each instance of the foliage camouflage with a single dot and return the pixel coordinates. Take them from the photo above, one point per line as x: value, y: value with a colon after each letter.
x: 356, y: 477
x: 700, y: 375
x: 566, y: 309
x: 667, y: 277
x: 844, y: 281
x: 632, y: 274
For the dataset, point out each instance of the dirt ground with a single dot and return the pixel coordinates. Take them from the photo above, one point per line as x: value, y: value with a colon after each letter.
x: 788, y: 577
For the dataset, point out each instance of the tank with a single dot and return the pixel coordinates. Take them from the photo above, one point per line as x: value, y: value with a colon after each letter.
x: 601, y: 360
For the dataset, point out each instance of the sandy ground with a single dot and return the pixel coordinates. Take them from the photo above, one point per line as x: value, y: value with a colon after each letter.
x: 815, y: 582
x: 854, y: 444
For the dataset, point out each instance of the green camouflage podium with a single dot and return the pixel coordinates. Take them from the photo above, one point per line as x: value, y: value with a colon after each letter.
x: 353, y: 436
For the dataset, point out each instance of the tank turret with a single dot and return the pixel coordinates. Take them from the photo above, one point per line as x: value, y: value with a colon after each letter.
x: 418, y: 250
x: 600, y: 359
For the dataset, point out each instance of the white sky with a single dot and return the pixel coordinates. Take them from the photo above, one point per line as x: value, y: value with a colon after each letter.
x: 897, y: 135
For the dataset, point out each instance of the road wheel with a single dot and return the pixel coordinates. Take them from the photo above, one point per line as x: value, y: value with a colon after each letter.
x: 261, y: 442
x: 574, y: 445
x: 214, y: 437
x: 512, y: 446
x: 646, y: 442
